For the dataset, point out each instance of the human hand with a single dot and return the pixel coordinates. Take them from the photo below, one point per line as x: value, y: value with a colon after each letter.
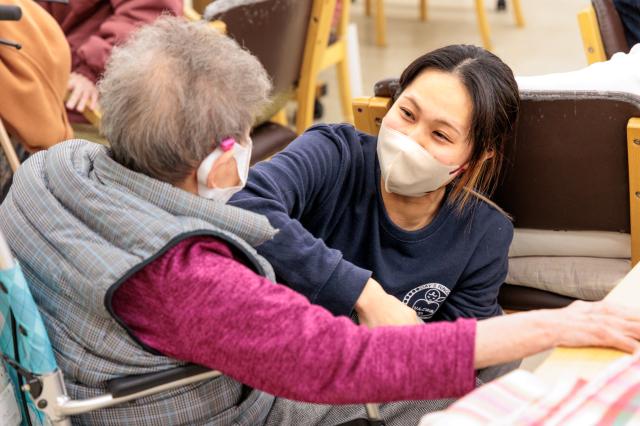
x: 376, y: 308
x: 82, y: 93
x: 581, y: 324
x: 603, y: 324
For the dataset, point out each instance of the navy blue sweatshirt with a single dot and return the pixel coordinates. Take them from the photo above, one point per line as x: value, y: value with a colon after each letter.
x: 323, y: 194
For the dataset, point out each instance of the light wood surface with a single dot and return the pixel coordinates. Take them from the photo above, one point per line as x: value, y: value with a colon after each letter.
x: 565, y: 363
x: 633, y: 156
x: 315, y: 47
x: 336, y: 54
x: 9, y: 150
x: 590, y: 33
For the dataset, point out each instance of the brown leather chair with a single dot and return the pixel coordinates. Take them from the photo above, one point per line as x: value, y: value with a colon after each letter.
x: 289, y: 37
x: 573, y: 165
x: 602, y: 31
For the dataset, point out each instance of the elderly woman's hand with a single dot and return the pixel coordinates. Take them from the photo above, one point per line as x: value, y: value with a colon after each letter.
x: 581, y: 324
x: 599, y: 324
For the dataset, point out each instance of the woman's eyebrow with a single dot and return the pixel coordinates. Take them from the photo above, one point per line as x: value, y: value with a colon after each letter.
x: 439, y: 120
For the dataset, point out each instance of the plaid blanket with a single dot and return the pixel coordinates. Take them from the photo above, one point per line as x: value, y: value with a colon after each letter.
x: 520, y: 398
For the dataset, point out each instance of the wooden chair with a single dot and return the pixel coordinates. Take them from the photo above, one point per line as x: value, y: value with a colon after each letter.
x: 602, y: 31
x: 290, y: 38
x: 483, y: 23
x: 336, y: 54
x: 573, y: 165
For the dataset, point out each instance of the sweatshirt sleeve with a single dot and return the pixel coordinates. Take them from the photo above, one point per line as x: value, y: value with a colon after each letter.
x: 127, y: 16
x: 189, y: 305
x: 476, y: 294
x: 318, y: 166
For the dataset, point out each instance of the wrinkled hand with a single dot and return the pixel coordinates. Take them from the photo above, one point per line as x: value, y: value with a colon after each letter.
x: 375, y: 308
x: 83, y: 93
x: 604, y: 324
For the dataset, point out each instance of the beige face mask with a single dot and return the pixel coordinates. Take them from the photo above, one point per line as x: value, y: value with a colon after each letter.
x: 407, y: 168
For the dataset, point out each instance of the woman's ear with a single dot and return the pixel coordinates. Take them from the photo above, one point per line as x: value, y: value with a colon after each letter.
x: 488, y: 155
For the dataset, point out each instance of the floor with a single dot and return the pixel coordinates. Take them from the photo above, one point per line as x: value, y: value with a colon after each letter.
x: 549, y: 42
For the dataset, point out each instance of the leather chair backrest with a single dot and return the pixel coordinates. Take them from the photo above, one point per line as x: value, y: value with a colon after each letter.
x: 611, y: 28
x: 275, y: 32
x: 567, y: 168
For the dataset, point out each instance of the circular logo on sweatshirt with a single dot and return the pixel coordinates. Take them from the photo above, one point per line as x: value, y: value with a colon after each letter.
x: 426, y: 299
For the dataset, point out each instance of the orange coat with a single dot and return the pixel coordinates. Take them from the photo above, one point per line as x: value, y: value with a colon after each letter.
x: 33, y: 80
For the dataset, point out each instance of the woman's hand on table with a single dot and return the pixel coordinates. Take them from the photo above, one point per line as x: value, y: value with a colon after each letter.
x: 603, y: 324
x: 581, y: 324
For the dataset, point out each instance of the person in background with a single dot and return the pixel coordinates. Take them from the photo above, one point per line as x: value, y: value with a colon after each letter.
x: 34, y: 82
x: 93, y: 28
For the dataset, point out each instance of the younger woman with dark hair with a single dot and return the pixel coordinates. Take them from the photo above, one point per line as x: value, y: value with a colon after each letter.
x: 382, y: 225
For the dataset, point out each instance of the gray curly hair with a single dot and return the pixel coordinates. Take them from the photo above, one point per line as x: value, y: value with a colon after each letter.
x: 172, y: 92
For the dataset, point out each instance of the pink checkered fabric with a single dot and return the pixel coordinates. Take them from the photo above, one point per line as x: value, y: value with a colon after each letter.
x: 520, y: 398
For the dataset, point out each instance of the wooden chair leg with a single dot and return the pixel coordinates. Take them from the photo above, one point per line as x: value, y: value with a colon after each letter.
x: 345, y: 89
x: 517, y: 11
x: 9, y: 150
x: 381, y: 25
x: 423, y: 10
x: 367, y: 7
x: 315, y: 48
x: 483, y: 24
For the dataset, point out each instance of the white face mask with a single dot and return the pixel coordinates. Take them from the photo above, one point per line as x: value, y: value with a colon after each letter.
x: 242, y: 155
x: 407, y: 168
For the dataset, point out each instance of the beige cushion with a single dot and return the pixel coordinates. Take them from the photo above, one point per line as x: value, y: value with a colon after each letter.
x: 587, y: 278
x: 581, y: 264
x: 535, y: 242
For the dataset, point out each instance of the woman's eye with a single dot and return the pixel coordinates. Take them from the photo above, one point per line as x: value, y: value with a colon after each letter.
x: 406, y: 113
x: 441, y: 136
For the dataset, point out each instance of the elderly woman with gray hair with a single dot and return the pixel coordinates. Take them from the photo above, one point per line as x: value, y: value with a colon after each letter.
x: 138, y: 265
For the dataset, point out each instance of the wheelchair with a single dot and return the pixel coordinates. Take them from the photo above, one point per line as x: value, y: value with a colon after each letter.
x: 32, y: 390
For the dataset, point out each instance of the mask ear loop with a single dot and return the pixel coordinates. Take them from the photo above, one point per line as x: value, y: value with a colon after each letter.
x: 453, y: 172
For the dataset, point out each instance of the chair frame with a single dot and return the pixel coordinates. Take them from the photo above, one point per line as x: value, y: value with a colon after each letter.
x: 58, y: 407
x: 316, y: 43
x: 369, y: 112
x: 481, y: 15
x: 336, y: 54
x: 8, y: 148
x: 591, y: 35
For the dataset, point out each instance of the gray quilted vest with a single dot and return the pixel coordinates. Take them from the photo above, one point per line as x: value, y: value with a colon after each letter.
x: 80, y: 224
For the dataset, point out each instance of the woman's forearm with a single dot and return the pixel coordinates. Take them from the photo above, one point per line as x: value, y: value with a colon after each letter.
x: 511, y: 337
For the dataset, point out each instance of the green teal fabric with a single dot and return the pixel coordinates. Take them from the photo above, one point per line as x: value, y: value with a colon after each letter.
x: 35, y: 352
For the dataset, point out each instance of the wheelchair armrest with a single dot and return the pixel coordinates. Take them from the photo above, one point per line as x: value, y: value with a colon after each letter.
x: 124, y: 386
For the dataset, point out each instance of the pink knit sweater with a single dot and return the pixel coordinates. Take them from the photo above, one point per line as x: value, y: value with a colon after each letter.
x: 198, y: 303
